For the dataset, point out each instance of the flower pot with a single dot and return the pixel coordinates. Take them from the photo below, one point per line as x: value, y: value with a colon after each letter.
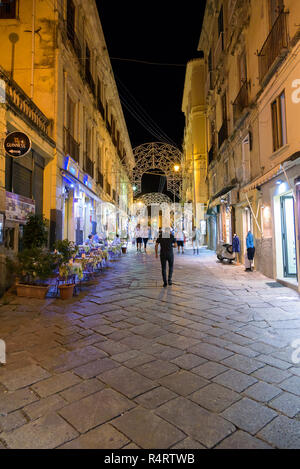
x: 32, y: 291
x: 124, y: 250
x: 66, y: 291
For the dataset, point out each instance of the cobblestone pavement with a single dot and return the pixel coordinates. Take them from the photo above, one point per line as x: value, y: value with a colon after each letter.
x: 206, y: 363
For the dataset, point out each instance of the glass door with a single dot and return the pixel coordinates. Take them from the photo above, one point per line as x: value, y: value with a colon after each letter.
x: 288, y: 236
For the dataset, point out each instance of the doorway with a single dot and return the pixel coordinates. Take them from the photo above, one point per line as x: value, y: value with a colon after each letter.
x: 288, y: 236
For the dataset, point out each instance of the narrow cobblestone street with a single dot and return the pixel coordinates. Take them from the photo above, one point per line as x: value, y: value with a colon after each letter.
x: 206, y: 363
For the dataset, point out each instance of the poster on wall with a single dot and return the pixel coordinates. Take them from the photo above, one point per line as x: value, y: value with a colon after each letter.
x: 18, y: 207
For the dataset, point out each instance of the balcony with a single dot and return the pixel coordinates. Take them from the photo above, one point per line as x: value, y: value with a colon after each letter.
x: 219, y: 49
x: 274, y: 47
x: 223, y: 134
x: 71, y: 147
x: 8, y: 10
x: 88, y: 166
x: 241, y: 101
x: 23, y: 105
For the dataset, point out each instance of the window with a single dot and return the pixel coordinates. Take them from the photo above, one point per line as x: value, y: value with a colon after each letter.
x: 279, y: 122
x: 221, y: 22
x: 70, y: 19
x: 8, y: 9
x: 70, y: 116
x: 242, y: 64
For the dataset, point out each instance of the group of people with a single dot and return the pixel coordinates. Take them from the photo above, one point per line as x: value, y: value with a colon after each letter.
x: 95, y: 239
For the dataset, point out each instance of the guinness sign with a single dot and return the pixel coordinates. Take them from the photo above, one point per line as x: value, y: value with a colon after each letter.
x: 17, y: 144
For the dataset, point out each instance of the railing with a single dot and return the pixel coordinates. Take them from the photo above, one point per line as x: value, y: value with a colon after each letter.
x: 223, y: 134
x: 71, y: 147
x: 18, y: 99
x: 276, y: 41
x: 8, y: 10
x: 88, y: 166
x: 209, y: 85
x: 73, y: 38
x: 100, y: 179
x: 219, y: 48
x: 241, y: 101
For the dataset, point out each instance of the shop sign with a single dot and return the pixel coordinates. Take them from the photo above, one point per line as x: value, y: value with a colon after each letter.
x: 17, y: 144
x: 18, y: 207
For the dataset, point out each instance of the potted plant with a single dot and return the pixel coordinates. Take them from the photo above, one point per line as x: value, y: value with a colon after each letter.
x: 67, y: 251
x: 33, y: 268
x: 67, y: 288
x: 35, y: 232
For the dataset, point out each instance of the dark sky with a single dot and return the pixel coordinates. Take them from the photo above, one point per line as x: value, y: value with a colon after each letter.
x: 155, y: 31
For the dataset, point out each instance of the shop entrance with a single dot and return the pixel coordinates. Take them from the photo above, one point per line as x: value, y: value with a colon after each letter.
x: 288, y: 236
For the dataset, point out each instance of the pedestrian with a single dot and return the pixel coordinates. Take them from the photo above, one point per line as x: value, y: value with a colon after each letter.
x: 145, y: 235
x: 166, y: 241
x: 139, y: 238
x: 89, y: 240
x: 196, y: 238
x: 236, y: 247
x: 250, y: 250
x: 180, y: 237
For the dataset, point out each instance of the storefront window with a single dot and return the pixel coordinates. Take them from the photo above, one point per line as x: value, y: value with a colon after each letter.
x: 288, y: 236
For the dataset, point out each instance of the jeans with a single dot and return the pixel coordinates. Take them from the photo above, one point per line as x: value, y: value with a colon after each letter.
x: 164, y: 259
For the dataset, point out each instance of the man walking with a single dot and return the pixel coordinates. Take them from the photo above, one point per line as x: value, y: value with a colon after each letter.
x: 166, y: 241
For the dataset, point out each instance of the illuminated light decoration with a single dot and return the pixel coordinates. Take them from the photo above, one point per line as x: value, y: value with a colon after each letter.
x: 158, y: 156
x: 155, y: 198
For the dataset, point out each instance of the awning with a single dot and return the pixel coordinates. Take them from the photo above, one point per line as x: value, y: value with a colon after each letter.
x: 262, y: 179
x: 88, y: 191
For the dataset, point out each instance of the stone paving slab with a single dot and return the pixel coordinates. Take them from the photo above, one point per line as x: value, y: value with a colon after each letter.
x: 207, y: 363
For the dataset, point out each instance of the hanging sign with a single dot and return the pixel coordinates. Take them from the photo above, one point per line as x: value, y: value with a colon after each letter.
x: 17, y: 144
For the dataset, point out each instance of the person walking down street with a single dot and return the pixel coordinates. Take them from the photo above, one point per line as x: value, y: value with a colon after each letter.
x: 139, y: 238
x: 166, y: 241
x: 196, y: 239
x: 145, y: 235
x: 180, y: 240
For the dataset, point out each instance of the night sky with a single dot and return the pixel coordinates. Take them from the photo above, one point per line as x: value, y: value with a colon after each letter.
x: 146, y: 31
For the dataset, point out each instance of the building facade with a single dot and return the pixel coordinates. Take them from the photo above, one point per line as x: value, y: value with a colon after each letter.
x: 57, y: 54
x: 252, y: 96
x: 194, y: 188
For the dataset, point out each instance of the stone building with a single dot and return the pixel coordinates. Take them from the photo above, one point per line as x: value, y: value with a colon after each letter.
x: 55, y: 50
x: 195, y: 143
x: 252, y: 94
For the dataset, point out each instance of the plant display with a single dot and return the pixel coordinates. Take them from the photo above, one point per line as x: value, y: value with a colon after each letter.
x: 35, y: 232
x: 34, y: 266
x: 66, y: 249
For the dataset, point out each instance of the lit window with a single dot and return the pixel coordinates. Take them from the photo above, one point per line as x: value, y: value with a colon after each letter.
x: 279, y: 122
x: 8, y: 9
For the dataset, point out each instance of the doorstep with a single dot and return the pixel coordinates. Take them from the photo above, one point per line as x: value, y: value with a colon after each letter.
x: 289, y: 282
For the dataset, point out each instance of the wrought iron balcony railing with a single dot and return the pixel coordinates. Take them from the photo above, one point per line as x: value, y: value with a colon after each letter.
x: 223, y: 134
x: 71, y: 147
x: 8, y: 10
x: 241, y: 101
x: 276, y: 42
x: 18, y: 99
